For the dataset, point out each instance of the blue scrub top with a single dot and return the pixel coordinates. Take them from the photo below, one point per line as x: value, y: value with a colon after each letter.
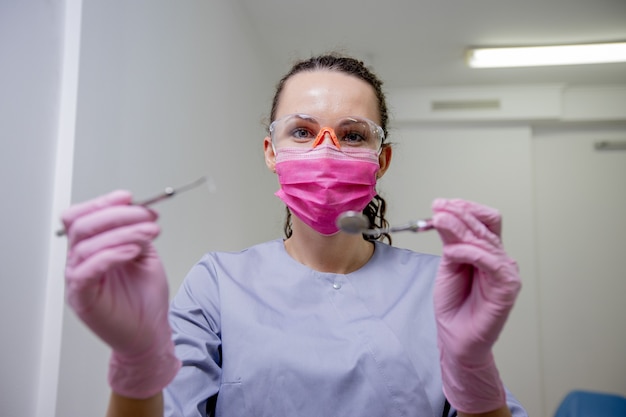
x: 275, y: 338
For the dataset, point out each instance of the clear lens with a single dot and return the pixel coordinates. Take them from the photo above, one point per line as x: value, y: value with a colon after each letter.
x: 301, y: 130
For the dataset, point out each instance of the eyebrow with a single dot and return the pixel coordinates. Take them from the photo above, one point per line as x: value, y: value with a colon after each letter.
x: 307, y: 117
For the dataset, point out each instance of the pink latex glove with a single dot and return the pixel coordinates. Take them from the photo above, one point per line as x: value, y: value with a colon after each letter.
x: 475, y: 289
x: 116, y: 284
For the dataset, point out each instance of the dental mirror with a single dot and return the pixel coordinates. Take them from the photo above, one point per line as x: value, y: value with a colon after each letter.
x: 355, y: 222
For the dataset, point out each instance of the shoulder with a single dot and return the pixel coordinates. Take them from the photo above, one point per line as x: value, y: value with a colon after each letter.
x: 405, y: 267
x: 216, y: 264
x: 271, y: 247
x: 211, y: 259
x: 205, y: 281
x: 400, y: 268
x: 387, y: 254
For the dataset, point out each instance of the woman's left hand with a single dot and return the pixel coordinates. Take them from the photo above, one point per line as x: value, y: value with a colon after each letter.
x: 475, y: 289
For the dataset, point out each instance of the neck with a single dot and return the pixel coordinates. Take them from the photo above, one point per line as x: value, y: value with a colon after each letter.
x: 340, y: 253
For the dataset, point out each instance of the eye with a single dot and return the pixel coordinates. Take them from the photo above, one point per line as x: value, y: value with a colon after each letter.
x: 353, y: 138
x: 302, y: 133
x: 354, y: 133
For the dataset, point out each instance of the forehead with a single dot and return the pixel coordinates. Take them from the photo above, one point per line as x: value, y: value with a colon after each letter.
x: 328, y: 94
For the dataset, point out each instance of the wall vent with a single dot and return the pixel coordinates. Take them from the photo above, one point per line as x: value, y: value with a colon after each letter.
x: 607, y: 145
x: 457, y: 105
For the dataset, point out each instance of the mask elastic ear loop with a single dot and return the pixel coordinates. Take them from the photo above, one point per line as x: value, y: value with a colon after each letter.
x: 273, y: 150
x: 322, y: 133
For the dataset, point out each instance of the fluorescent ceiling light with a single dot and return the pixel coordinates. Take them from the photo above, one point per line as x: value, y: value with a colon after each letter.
x: 528, y: 56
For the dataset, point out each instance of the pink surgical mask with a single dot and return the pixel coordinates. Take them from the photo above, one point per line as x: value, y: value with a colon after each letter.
x: 320, y: 183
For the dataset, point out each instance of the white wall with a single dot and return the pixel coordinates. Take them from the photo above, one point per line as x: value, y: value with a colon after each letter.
x: 563, y: 206
x: 581, y: 243
x: 30, y: 68
x: 169, y: 91
x: 491, y: 165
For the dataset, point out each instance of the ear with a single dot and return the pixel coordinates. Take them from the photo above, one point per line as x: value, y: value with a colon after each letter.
x: 384, y: 159
x: 270, y: 156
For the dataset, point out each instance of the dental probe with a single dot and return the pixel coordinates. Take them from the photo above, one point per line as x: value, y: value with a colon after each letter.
x: 168, y: 192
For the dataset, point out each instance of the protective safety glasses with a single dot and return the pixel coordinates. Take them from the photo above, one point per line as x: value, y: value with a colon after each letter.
x: 303, y: 130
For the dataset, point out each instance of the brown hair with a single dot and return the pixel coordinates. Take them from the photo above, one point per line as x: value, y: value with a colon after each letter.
x: 375, y: 210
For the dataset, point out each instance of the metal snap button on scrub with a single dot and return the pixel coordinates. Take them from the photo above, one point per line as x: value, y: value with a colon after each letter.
x: 337, y: 285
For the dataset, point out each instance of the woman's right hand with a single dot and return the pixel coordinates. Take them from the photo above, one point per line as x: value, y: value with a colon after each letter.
x: 116, y: 284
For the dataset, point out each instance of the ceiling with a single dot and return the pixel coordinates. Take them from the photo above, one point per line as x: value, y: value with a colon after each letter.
x: 417, y: 43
